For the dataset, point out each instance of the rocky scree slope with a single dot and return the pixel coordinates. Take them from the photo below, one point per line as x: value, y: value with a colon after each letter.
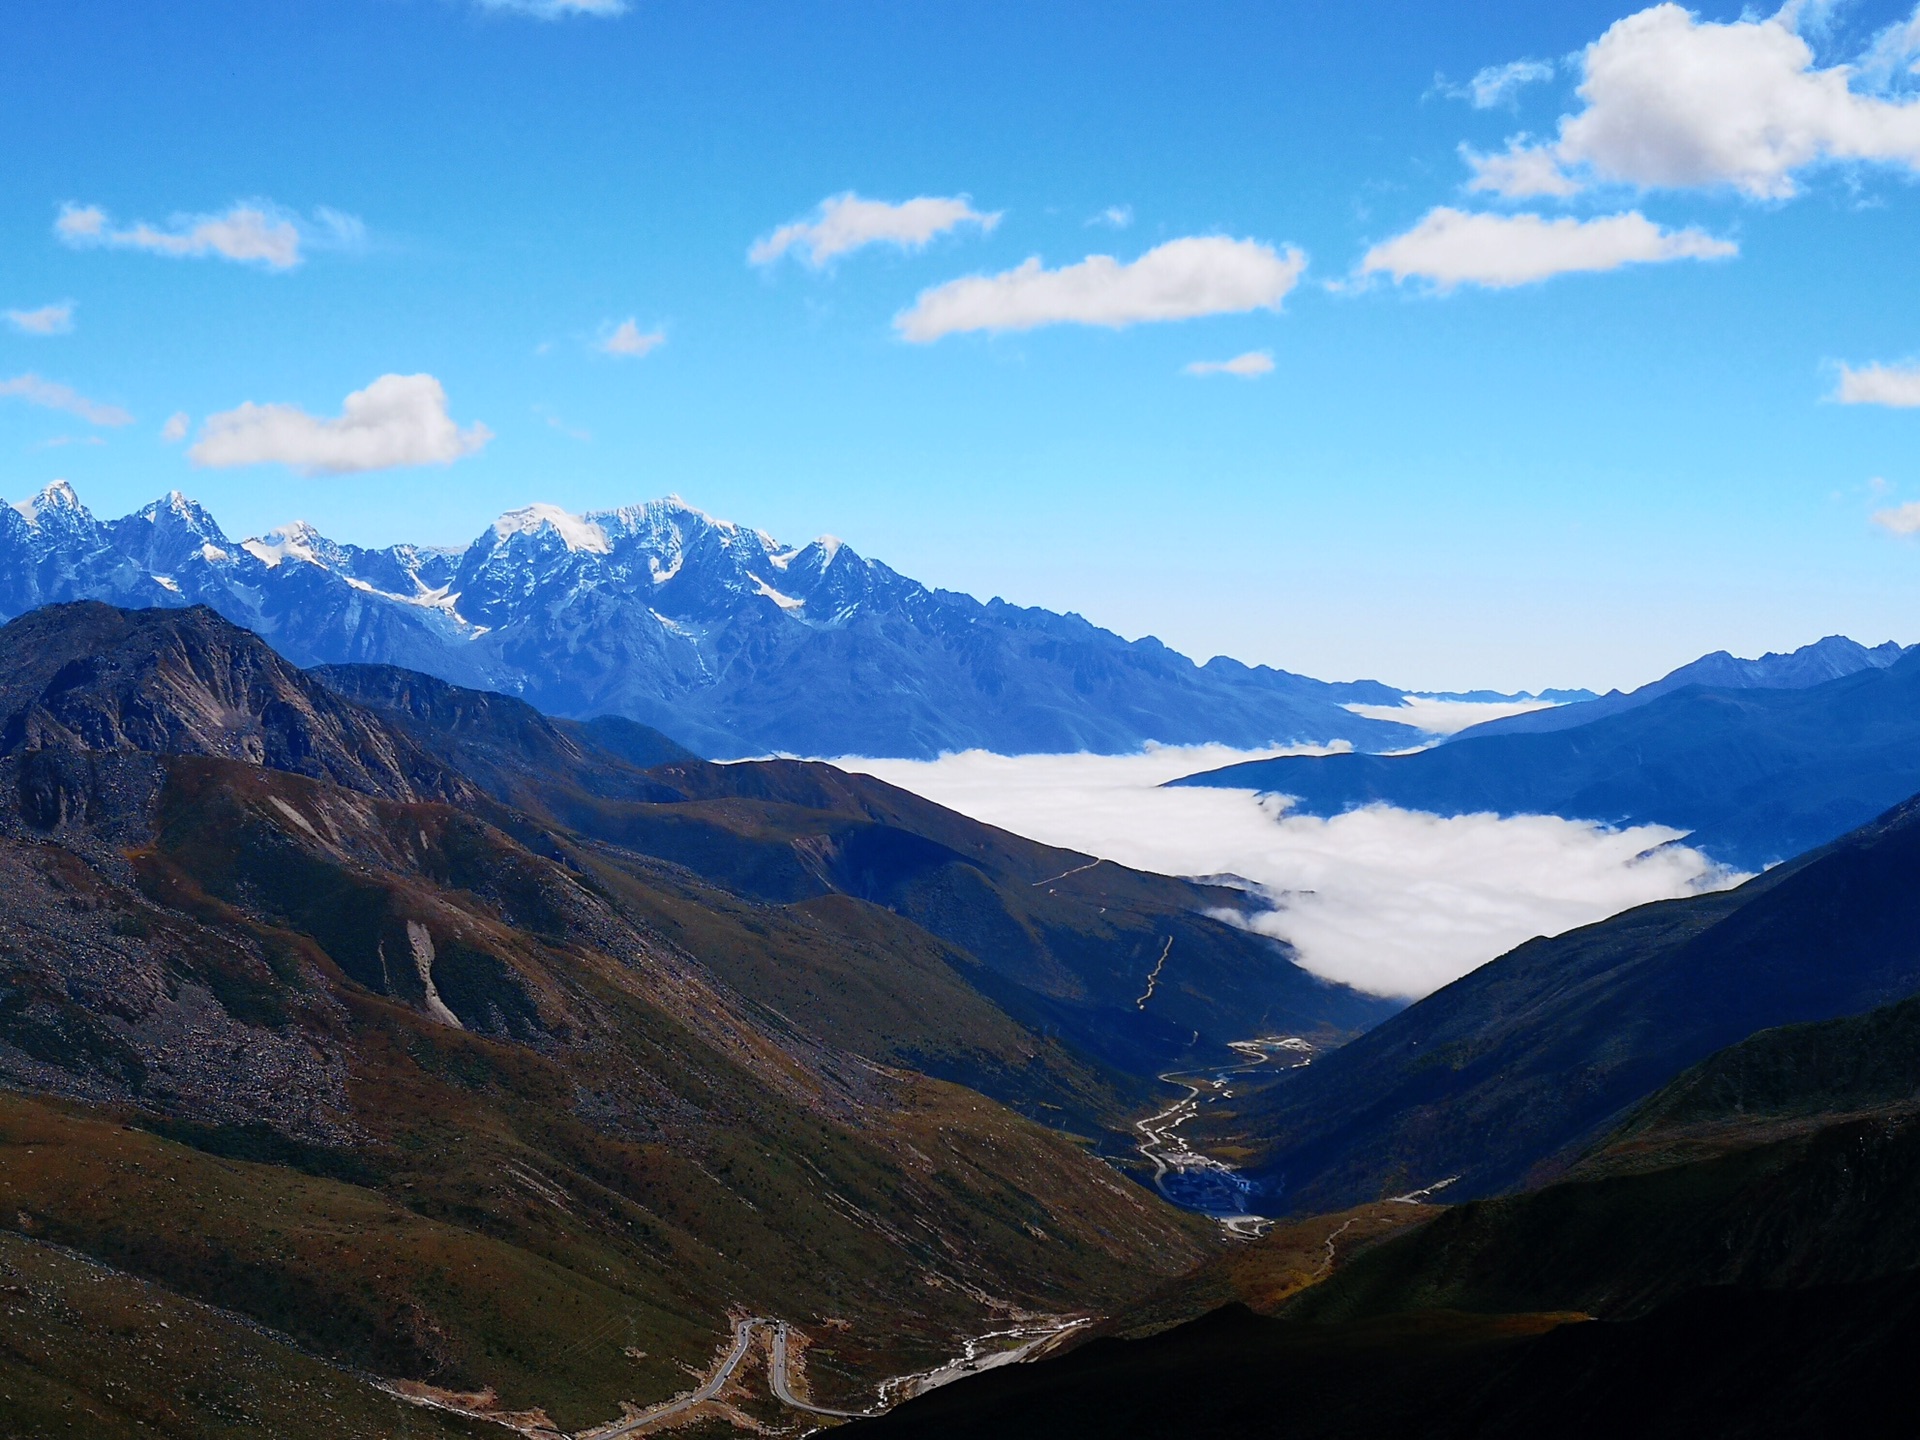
x: 718, y: 635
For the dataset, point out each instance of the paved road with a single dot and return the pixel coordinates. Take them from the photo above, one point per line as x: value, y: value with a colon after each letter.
x: 742, y: 1341
x: 777, y: 1375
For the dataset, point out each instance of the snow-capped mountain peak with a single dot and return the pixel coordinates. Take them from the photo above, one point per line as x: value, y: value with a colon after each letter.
x: 576, y: 532
x: 713, y: 631
x: 57, y: 498
x: 296, y: 541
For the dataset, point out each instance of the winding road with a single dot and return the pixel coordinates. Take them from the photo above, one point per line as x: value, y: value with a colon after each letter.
x: 712, y: 1386
x: 777, y: 1377
x: 1174, y: 1160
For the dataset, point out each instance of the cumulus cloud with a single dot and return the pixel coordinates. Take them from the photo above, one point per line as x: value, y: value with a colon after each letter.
x: 254, y: 232
x: 1498, y: 84
x: 1876, y: 384
x: 47, y: 320
x: 1452, y: 247
x: 1899, y: 519
x: 1182, y: 279
x: 397, y: 420
x: 556, y: 9
x: 1392, y: 901
x: 1249, y: 366
x: 51, y: 395
x: 845, y: 223
x: 175, y: 430
x: 628, y: 341
x: 1673, y: 101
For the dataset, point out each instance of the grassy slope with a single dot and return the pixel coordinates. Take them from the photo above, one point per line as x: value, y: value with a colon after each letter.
x: 89, y: 1352
x: 640, y: 1151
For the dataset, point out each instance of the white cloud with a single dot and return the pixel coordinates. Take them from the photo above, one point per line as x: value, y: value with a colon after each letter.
x: 1672, y: 101
x: 397, y: 420
x: 1451, y: 247
x: 627, y: 340
x: 50, y: 395
x: 47, y: 320
x: 1199, y: 275
x: 1249, y: 366
x: 845, y: 223
x: 1392, y: 901
x: 1519, y: 172
x: 556, y: 9
x: 1118, y: 217
x: 1499, y: 84
x: 250, y: 233
x: 175, y: 430
x: 1877, y: 384
x: 1899, y: 519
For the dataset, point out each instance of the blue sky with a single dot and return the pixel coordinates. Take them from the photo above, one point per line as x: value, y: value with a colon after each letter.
x: 1477, y: 473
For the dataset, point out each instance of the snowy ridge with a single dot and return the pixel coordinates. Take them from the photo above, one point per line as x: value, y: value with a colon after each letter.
x: 717, y: 633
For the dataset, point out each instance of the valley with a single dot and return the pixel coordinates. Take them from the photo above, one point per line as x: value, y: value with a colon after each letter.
x: 959, y: 721
x: 520, y: 1071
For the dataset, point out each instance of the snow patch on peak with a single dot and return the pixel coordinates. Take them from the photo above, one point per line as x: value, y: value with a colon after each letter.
x: 298, y: 541
x: 57, y: 496
x: 576, y: 532
x: 829, y: 549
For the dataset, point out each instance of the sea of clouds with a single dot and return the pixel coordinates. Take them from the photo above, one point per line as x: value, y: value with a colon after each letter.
x: 1392, y: 901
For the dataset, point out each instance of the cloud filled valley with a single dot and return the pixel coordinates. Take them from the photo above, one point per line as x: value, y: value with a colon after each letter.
x: 1390, y: 901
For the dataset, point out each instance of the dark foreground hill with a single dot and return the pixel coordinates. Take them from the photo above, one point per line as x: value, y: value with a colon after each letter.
x: 1755, y: 776
x: 1740, y: 1258
x: 457, y: 1048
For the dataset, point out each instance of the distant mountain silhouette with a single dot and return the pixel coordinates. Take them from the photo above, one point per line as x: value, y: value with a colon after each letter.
x: 1754, y: 775
x: 1810, y: 665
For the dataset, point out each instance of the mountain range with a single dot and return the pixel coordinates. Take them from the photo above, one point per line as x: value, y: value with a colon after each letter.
x: 718, y: 635
x: 1755, y: 773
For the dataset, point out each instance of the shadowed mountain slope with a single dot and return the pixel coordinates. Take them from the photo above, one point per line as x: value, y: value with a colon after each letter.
x: 1128, y: 967
x: 1518, y: 1065
x: 1755, y: 776
x: 1759, y: 1283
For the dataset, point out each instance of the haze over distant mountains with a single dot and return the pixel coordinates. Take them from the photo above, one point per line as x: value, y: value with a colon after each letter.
x: 721, y: 636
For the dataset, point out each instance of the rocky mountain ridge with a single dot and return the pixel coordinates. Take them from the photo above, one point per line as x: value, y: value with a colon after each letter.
x: 717, y: 634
